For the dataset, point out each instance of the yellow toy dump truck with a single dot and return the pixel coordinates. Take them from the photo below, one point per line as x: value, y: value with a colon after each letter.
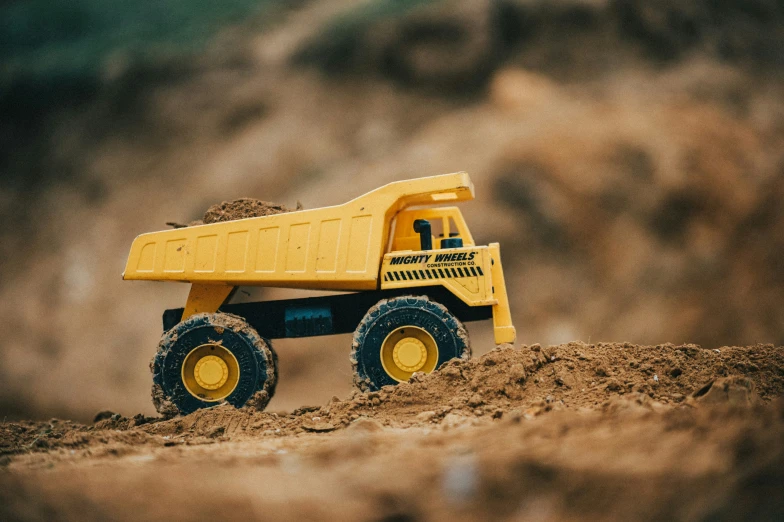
x: 410, y: 264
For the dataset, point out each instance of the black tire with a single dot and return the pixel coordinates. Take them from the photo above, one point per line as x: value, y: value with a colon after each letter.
x: 255, y: 358
x: 390, y: 315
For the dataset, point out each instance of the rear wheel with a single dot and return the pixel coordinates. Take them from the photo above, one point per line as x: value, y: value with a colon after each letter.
x: 404, y: 335
x: 211, y: 358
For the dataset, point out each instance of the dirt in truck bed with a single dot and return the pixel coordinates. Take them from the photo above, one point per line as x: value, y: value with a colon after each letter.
x: 574, y: 431
x: 244, y: 208
x: 241, y: 208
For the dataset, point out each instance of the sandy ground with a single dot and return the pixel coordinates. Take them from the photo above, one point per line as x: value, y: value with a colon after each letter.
x: 574, y: 431
x: 635, y: 196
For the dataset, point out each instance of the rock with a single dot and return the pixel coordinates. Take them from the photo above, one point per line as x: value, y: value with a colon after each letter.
x: 517, y: 373
x: 453, y: 420
x: 103, y: 415
x: 365, y: 424
x: 451, y: 372
x: 564, y: 378
x: 455, y: 402
x: 319, y: 425
x: 425, y: 416
x: 138, y: 420
x: 304, y: 409
x: 735, y: 391
x: 417, y: 377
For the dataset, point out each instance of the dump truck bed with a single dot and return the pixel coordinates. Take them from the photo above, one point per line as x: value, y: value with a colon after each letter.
x: 338, y: 248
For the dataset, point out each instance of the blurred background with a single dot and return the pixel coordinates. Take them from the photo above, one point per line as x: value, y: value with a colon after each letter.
x: 627, y: 154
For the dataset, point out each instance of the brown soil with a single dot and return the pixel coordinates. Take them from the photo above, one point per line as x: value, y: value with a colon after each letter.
x: 241, y: 209
x: 635, y: 197
x: 570, y: 431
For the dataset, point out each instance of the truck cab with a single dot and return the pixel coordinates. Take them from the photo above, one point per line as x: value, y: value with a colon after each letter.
x: 433, y: 246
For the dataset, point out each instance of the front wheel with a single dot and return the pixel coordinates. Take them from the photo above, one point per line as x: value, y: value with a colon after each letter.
x: 212, y: 358
x: 404, y: 335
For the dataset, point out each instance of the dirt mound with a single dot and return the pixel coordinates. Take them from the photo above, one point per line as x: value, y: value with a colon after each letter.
x: 569, y: 432
x: 675, y: 234
x: 243, y: 208
x: 505, y: 382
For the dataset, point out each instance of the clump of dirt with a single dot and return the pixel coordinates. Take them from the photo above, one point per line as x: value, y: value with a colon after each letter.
x: 259, y: 400
x: 162, y: 404
x: 243, y: 208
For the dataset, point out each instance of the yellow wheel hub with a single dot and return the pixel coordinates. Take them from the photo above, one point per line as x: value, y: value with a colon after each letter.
x: 407, y: 350
x: 409, y: 354
x: 210, y: 372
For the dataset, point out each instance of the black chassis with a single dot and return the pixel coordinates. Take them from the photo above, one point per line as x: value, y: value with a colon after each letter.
x: 330, y: 314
